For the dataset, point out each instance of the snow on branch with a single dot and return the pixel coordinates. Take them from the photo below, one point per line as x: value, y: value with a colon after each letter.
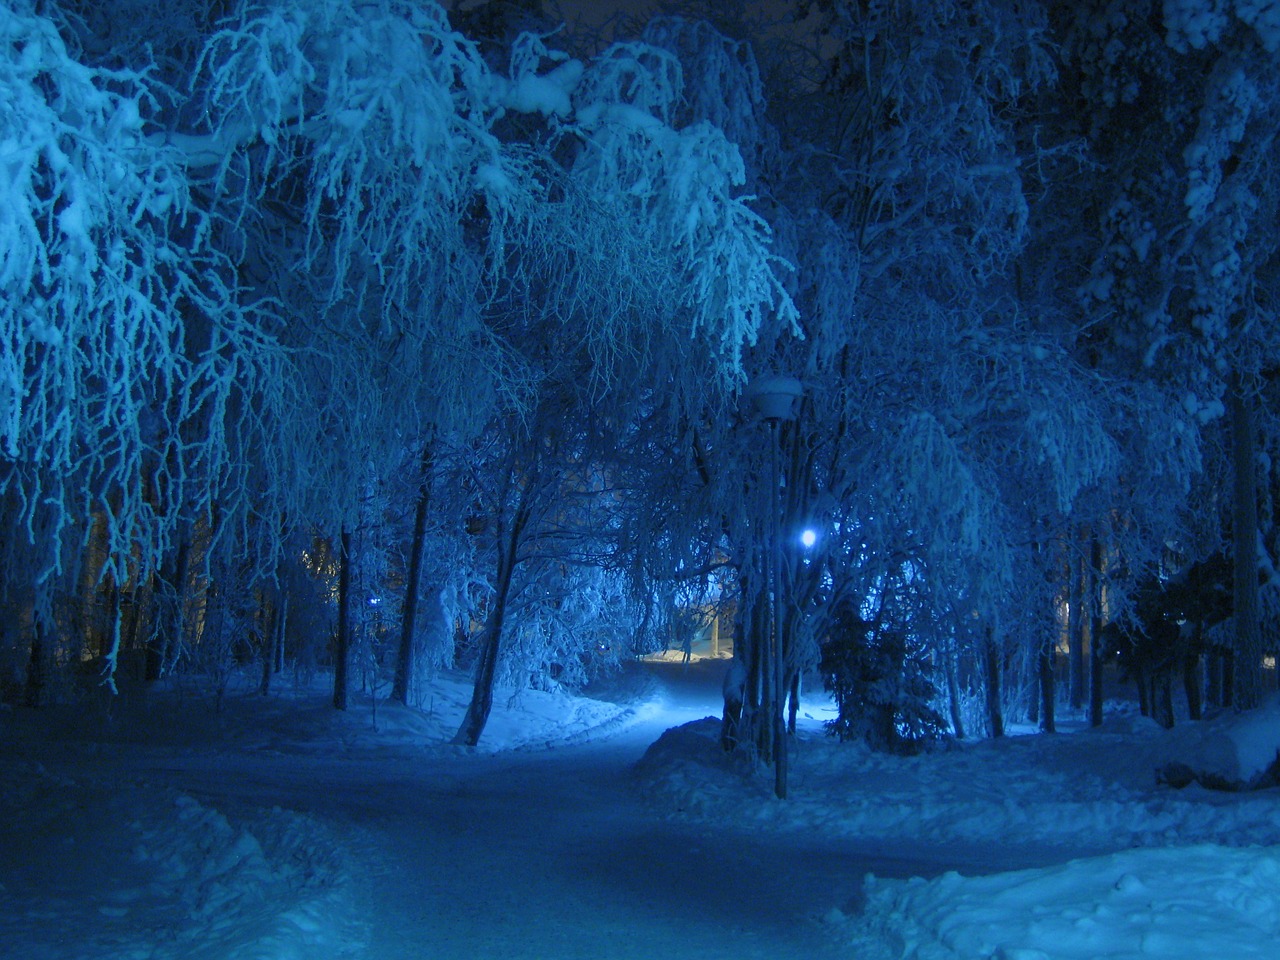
x: 90, y: 329
x: 722, y: 79
x: 384, y: 111
x: 682, y: 184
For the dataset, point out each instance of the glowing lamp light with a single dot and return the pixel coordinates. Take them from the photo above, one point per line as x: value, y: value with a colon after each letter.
x: 809, y: 538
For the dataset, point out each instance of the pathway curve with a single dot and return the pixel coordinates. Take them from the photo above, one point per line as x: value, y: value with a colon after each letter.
x: 550, y: 853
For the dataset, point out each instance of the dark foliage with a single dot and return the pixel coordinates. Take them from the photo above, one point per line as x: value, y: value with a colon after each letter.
x: 882, y: 686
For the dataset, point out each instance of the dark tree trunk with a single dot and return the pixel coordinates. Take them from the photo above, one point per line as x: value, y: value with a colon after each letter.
x: 1191, y: 685
x: 481, y: 704
x: 793, y: 702
x: 1162, y: 698
x: 1077, y: 573
x: 1213, y: 677
x: 115, y: 619
x: 1047, y: 692
x: 137, y: 604
x: 403, y: 681
x: 33, y: 690
x: 991, y: 661
x: 1249, y: 686
x: 754, y: 727
x: 342, y: 645
x: 169, y: 601
x: 282, y: 632
x: 734, y: 690
x: 953, y: 695
x: 1095, y: 632
x: 270, y: 637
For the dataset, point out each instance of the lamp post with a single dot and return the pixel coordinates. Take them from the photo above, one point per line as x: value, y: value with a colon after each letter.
x: 775, y: 399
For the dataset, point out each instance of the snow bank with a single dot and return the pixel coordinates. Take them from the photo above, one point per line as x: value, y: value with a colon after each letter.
x: 136, y: 870
x: 1233, y: 752
x: 1091, y: 791
x: 1175, y: 903
x: 131, y: 871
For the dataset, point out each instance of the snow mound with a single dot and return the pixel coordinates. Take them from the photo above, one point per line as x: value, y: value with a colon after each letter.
x: 133, y: 871
x: 694, y: 771
x: 1232, y: 752
x: 1175, y: 903
x: 1089, y: 792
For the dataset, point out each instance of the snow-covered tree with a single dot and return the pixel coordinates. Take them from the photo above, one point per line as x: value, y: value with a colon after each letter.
x: 122, y: 338
x: 1182, y: 112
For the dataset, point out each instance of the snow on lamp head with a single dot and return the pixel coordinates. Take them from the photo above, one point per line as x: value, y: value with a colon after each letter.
x: 775, y: 396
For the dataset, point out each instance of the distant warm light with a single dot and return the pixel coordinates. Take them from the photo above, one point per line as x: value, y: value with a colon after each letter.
x: 809, y: 538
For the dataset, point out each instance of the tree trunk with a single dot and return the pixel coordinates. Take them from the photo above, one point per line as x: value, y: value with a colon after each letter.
x: 282, y: 632
x: 793, y: 702
x: 112, y: 658
x: 1095, y: 632
x: 491, y: 645
x: 342, y: 646
x: 33, y: 690
x: 1249, y: 685
x: 953, y: 695
x: 403, y: 681
x: 1077, y: 572
x: 991, y: 661
x: 744, y: 646
x: 1191, y: 685
x: 269, y: 637
x: 1162, y: 700
x: 1141, y: 681
x: 1047, y: 692
x: 733, y: 689
x: 776, y: 617
x: 481, y: 704
x: 169, y: 602
x: 755, y: 720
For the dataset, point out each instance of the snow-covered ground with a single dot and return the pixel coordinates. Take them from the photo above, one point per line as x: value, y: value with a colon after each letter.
x: 277, y: 828
x: 1145, y: 870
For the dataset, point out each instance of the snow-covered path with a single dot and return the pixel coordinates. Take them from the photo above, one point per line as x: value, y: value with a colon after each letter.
x: 278, y: 829
x: 280, y: 832
x: 547, y: 853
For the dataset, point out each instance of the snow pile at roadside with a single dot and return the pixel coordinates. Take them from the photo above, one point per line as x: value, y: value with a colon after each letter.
x: 1175, y: 903
x: 1204, y: 881
x: 1091, y: 791
x: 139, y: 871
x: 298, y: 717
x: 1239, y: 751
x: 130, y: 871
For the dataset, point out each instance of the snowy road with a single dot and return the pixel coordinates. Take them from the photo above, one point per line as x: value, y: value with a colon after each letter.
x: 279, y: 831
x: 548, y: 853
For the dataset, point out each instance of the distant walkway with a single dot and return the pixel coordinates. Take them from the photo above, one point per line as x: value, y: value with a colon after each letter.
x: 551, y: 854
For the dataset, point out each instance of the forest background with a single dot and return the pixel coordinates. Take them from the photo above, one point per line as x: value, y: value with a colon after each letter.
x: 358, y: 335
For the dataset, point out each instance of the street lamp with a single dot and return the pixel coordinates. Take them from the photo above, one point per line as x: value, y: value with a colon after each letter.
x: 775, y: 399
